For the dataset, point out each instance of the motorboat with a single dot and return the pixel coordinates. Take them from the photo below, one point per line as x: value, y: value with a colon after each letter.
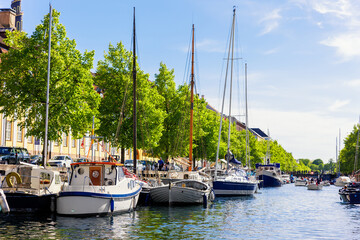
x: 350, y: 193
x: 31, y: 188
x: 285, y: 178
x: 342, y: 181
x: 98, y: 188
x: 314, y: 186
x: 301, y: 182
x: 234, y: 183
x: 269, y: 174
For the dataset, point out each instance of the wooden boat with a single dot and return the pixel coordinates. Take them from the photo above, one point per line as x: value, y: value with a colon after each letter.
x: 98, y: 188
x: 190, y: 192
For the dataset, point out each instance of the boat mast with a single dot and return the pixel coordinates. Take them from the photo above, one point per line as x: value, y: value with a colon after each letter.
x: 223, y: 100
x: 336, y: 156
x: 339, y: 149
x: 134, y: 95
x: 247, y: 159
x: 357, y: 147
x: 231, y: 75
x: 192, y: 164
x: 45, y: 156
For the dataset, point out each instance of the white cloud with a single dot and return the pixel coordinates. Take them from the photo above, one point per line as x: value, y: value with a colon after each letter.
x: 271, y: 51
x: 353, y: 83
x: 338, y: 104
x: 343, y: 15
x: 270, y: 21
x: 305, y: 134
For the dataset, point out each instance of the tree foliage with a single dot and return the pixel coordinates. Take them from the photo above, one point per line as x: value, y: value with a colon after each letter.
x: 114, y: 76
x: 23, y: 75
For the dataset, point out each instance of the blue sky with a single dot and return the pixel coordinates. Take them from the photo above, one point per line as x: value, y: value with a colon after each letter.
x: 303, y: 56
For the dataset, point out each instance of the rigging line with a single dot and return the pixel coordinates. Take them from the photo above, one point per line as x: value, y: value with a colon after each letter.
x: 187, y: 63
x: 122, y: 111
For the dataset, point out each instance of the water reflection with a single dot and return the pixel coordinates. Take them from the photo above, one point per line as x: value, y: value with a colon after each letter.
x: 288, y: 212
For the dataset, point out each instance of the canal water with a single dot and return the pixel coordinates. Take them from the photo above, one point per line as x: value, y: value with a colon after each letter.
x: 288, y: 212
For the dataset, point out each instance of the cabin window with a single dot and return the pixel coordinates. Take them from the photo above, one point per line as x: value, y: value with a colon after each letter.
x: 81, y: 171
x: 121, y: 174
x: 45, y: 178
x: 57, y: 179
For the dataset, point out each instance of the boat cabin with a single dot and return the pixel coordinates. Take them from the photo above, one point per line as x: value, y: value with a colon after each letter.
x: 96, y: 173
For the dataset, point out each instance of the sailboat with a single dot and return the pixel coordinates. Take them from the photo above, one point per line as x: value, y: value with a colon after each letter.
x: 32, y: 188
x: 234, y: 182
x: 101, y: 188
x: 191, y: 190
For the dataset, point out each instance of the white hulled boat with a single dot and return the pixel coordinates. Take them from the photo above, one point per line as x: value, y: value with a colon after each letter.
x: 342, y: 181
x: 98, y: 188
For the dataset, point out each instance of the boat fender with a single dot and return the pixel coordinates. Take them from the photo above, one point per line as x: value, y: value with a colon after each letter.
x: 204, y: 201
x: 3, y: 203
x: 10, y: 175
x: 112, y: 205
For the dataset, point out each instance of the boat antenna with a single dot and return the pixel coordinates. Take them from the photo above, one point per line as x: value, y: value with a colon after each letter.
x: 134, y: 95
x: 45, y: 154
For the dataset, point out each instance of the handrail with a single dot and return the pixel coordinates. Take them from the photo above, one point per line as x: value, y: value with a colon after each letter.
x: 89, y: 182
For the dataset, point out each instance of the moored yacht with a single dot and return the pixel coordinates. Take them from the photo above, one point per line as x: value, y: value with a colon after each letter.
x: 269, y: 174
x: 31, y: 188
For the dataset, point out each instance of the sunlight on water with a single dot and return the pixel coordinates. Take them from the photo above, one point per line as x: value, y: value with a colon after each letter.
x: 288, y: 212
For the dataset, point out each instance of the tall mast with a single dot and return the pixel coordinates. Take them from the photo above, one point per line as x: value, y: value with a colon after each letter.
x: 339, y: 149
x: 223, y: 101
x: 336, y: 156
x: 246, y: 121
x: 47, y: 93
x: 134, y: 95
x: 231, y: 75
x: 192, y: 164
x: 357, y: 147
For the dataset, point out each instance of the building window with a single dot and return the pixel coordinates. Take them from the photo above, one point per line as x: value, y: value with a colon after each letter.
x: 56, y: 143
x: 65, y: 140
x: 73, y: 143
x: 8, y: 130
x: 29, y: 139
x: 19, y: 133
x: 96, y: 146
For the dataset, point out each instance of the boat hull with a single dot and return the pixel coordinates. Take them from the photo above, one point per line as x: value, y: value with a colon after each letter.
x: 314, y: 186
x: 29, y: 203
x: 179, y: 195
x: 89, y: 203
x: 350, y: 197
x: 160, y: 194
x: 226, y: 188
x: 269, y: 181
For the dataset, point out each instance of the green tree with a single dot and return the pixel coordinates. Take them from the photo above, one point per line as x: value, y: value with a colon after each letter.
x: 114, y: 76
x: 347, y: 154
x: 23, y: 77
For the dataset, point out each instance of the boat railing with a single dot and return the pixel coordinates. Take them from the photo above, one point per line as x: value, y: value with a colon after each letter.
x: 89, y: 182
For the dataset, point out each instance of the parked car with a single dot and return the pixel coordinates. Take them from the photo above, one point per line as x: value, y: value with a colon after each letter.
x: 129, y: 164
x: 35, y: 159
x: 60, y: 161
x: 14, y: 155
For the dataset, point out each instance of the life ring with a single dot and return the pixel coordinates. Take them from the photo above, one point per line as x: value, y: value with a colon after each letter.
x: 13, y: 174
